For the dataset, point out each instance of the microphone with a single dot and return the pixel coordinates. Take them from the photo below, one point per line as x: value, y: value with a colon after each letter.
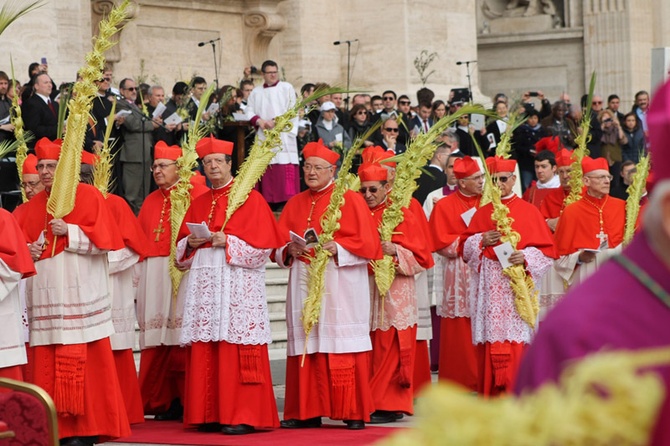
x: 209, y: 41
x: 461, y: 62
x: 339, y: 42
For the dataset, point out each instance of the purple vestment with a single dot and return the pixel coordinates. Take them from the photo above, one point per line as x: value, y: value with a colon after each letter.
x: 611, y: 310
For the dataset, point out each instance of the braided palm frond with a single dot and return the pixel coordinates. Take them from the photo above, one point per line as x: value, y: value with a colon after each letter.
x: 582, y: 139
x: 66, y: 178
x: 180, y: 195
x: 525, y: 294
x: 104, y: 165
x: 635, y: 190
x: 22, y: 138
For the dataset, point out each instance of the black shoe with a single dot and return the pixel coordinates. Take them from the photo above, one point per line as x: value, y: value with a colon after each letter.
x: 174, y: 413
x: 237, y: 429
x: 209, y: 427
x: 355, y: 425
x: 382, y: 417
x: 300, y: 424
x: 399, y: 415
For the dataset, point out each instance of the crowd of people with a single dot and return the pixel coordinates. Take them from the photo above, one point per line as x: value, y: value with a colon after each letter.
x: 78, y: 285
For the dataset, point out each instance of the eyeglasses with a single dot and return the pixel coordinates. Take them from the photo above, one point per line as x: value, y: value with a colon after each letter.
x: 161, y: 166
x: 404, y: 102
x: 270, y: 72
x: 361, y: 112
x: 372, y: 189
x: 391, y: 129
x: 30, y: 184
x: 501, y: 179
x: 318, y: 169
x: 46, y: 166
x: 388, y: 98
x: 131, y: 88
x: 479, y: 177
x: 600, y: 177
x: 596, y: 102
x: 605, y: 121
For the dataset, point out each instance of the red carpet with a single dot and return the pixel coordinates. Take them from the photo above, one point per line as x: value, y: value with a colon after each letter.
x: 171, y: 432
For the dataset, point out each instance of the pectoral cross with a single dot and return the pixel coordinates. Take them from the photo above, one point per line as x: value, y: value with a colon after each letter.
x: 158, y: 231
x: 602, y: 237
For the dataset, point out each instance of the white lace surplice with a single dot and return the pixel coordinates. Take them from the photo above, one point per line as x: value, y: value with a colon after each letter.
x: 494, y: 317
x: 454, y: 299
x: 225, y: 301
x: 400, y: 305
x: 122, y: 290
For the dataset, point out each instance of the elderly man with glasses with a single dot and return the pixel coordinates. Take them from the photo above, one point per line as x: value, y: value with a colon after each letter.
x: 591, y: 230
x: 158, y: 314
x: 331, y: 380
x: 498, y: 332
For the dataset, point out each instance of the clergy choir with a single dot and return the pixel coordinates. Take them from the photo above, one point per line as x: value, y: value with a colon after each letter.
x: 73, y: 288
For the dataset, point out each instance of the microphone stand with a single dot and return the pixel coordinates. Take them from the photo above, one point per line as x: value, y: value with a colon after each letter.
x: 216, y: 69
x: 346, y: 100
x: 467, y: 68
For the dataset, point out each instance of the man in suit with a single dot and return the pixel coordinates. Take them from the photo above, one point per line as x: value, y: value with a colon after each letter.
x: 422, y: 122
x: 40, y: 113
x: 434, y: 176
x: 135, y: 154
x: 389, y: 140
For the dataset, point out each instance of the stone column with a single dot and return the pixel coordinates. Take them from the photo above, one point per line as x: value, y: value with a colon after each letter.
x: 618, y: 38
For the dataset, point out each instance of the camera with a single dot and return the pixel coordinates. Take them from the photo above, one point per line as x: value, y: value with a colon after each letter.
x: 254, y: 70
x: 533, y: 93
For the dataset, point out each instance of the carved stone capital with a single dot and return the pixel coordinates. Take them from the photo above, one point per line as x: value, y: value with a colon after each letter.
x: 99, y: 9
x: 260, y: 27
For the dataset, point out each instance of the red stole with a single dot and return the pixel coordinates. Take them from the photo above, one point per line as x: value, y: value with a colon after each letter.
x: 528, y: 222
x: 580, y: 224
x: 13, y: 249
x: 90, y: 214
x: 357, y: 233
x: 446, y: 223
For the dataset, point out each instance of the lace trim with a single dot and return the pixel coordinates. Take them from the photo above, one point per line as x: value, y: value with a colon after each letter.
x: 494, y: 318
x: 226, y: 301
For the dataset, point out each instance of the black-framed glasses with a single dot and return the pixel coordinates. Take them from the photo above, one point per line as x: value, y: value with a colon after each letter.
x: 501, y: 179
x: 391, y: 129
x: 388, y: 98
x: 130, y: 88
x: 372, y: 189
x: 404, y: 102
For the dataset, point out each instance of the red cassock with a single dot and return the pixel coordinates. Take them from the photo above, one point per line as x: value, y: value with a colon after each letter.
x: 221, y: 386
x: 579, y: 225
x: 458, y: 359
x: 14, y: 252
x: 309, y: 389
x: 554, y: 202
x: 135, y: 239
x: 394, y: 350
x: 161, y: 367
x: 530, y: 224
